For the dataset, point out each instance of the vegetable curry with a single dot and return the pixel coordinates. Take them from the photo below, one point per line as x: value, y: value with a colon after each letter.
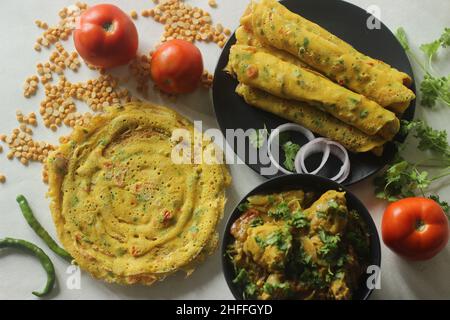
x: 288, y: 246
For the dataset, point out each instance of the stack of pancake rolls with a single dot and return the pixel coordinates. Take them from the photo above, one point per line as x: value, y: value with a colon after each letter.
x: 295, y: 69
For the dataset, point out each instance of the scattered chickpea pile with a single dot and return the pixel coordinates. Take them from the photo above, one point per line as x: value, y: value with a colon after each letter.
x: 140, y: 70
x: 62, y: 59
x: 59, y: 105
x: 30, y: 86
x: 207, y: 79
x: 24, y: 148
x: 101, y: 92
x: 20, y: 142
x: 30, y: 119
x: 182, y: 21
x: 59, y: 61
x: 63, y: 30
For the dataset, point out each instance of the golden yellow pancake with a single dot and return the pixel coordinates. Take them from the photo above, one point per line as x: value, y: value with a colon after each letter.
x: 278, y: 27
x: 122, y: 208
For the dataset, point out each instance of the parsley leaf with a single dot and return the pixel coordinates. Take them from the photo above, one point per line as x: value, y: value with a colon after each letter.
x: 445, y: 206
x: 260, y: 242
x: 241, y: 277
x: 299, y: 220
x: 290, y: 152
x: 281, y: 211
x: 243, y: 280
x: 330, y: 244
x: 430, y: 49
x: 273, y: 288
x: 403, y: 179
x: 333, y: 204
x: 243, y: 206
x: 313, y: 278
x: 445, y: 38
x: 258, y: 137
x: 280, y: 239
x: 258, y: 221
x: 363, y: 114
x: 402, y: 38
x: 428, y: 138
x: 250, y: 290
x: 433, y: 88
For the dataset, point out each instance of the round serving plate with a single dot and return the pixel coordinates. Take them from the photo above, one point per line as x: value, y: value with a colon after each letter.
x: 349, y: 23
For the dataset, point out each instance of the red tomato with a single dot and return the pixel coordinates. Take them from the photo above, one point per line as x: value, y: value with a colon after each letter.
x: 177, y: 67
x: 106, y: 37
x: 415, y: 228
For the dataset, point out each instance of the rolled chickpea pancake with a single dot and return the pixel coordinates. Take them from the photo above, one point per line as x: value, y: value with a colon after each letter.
x: 122, y: 208
x: 246, y: 37
x: 275, y: 25
x: 257, y: 68
x: 312, y: 118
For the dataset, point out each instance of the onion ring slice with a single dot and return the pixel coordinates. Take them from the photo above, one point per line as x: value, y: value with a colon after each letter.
x: 318, y: 145
x: 276, y: 133
x: 328, y: 147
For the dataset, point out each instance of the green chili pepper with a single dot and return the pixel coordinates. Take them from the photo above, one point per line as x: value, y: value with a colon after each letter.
x: 37, y: 227
x: 37, y: 252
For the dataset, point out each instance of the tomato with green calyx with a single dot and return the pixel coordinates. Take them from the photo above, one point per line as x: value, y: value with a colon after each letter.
x: 415, y: 228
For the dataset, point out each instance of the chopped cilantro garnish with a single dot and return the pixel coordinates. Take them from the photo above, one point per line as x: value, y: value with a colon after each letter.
x: 278, y: 287
x: 282, y: 240
x: 243, y: 206
x: 299, y: 220
x: 330, y: 244
x: 333, y: 204
x: 363, y: 114
x: 281, y: 211
x: 258, y: 221
x: 290, y: 152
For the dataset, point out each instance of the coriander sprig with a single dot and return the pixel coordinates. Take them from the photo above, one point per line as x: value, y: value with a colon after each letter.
x: 433, y: 88
x: 405, y: 179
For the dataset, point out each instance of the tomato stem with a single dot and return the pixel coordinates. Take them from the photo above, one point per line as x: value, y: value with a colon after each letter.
x: 108, y: 26
x: 420, y: 225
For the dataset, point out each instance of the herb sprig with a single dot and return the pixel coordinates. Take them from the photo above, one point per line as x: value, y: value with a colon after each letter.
x: 258, y: 137
x: 290, y: 152
x: 433, y: 88
x: 405, y: 179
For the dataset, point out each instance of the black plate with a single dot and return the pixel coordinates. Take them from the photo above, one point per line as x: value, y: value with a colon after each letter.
x: 345, y: 21
x: 308, y: 183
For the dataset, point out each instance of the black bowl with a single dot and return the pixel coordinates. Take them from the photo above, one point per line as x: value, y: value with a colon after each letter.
x: 308, y: 183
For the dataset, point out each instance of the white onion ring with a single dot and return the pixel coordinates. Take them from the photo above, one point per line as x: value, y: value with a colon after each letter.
x: 328, y: 147
x: 318, y: 145
x: 341, y: 153
x: 276, y: 132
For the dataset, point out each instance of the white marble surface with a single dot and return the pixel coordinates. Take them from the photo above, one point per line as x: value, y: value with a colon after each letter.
x: 20, y: 274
